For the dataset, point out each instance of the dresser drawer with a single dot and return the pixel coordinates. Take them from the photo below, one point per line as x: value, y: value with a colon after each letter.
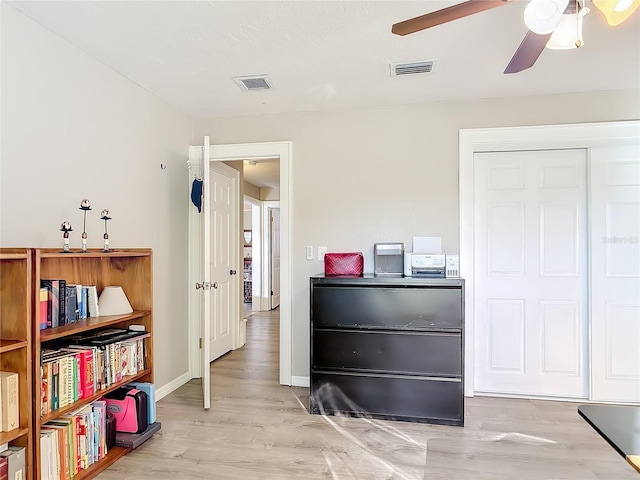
x: 404, y: 352
x: 390, y: 307
x: 388, y: 397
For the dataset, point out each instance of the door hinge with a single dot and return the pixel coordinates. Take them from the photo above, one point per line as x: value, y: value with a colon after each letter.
x: 200, y: 342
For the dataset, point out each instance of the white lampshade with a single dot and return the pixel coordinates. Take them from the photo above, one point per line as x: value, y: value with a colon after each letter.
x: 113, y: 301
x: 543, y: 16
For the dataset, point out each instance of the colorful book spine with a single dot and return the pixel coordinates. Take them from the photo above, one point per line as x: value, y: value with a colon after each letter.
x: 44, y: 306
x: 62, y: 313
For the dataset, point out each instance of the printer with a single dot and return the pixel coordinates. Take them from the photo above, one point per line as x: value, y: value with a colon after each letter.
x: 432, y: 265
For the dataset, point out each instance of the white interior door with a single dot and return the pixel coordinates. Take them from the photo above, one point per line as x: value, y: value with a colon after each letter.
x: 274, y: 234
x: 223, y: 221
x: 615, y: 270
x: 530, y: 278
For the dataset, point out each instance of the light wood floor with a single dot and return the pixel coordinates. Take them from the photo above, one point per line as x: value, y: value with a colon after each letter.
x: 257, y: 429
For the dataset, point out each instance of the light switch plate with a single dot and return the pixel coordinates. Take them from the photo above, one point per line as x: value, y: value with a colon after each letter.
x: 309, y: 252
x: 321, y: 252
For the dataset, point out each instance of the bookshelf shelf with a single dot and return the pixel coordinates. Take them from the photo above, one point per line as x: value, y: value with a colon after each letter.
x: 89, y: 324
x: 11, y: 435
x: 16, y: 282
x: 112, y: 456
x: 132, y: 269
x: 9, y: 345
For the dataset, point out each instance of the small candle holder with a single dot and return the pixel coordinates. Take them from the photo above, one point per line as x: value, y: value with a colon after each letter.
x: 105, y: 215
x: 85, y: 206
x: 65, y: 227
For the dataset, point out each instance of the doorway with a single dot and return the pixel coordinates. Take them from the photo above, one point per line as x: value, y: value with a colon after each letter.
x: 232, y: 152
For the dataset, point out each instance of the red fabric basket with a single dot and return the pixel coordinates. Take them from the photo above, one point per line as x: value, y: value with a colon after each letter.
x: 351, y: 263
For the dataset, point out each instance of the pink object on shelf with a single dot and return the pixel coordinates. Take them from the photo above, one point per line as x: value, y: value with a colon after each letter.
x: 350, y: 263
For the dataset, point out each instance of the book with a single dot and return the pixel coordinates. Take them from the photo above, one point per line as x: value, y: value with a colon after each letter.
x: 62, y: 314
x: 92, y: 301
x: 72, y: 304
x: 100, y: 411
x: 45, y: 393
x: 64, y: 380
x: 45, y: 283
x: 46, y: 463
x: 44, y: 306
x: 4, y: 468
x: 10, y: 401
x: 84, y: 292
x: 15, y: 456
x: 81, y: 294
x: 150, y: 390
x: 55, y: 385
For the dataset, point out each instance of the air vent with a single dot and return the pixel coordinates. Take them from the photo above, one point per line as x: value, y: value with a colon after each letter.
x: 412, y: 68
x: 256, y: 82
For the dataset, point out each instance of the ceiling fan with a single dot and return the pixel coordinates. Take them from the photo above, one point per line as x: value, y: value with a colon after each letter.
x: 555, y: 24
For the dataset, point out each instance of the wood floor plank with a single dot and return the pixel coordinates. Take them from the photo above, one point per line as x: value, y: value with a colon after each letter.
x: 257, y: 429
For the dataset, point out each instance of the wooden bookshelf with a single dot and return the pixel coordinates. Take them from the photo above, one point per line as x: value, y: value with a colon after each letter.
x: 16, y: 283
x: 132, y: 269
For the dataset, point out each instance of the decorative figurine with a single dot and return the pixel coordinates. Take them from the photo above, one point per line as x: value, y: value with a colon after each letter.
x: 66, y: 228
x: 105, y: 215
x: 85, y: 205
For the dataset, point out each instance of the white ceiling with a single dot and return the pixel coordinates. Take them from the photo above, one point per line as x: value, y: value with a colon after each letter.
x: 328, y: 54
x: 265, y: 173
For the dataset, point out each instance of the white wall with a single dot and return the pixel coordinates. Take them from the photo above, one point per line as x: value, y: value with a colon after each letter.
x: 383, y: 174
x: 71, y: 129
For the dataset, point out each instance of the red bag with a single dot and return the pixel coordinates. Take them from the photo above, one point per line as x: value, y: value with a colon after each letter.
x: 351, y: 263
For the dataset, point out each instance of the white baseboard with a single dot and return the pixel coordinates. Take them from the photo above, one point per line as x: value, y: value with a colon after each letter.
x: 174, y: 384
x: 299, y: 381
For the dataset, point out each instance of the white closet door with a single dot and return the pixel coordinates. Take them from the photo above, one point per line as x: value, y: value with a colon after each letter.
x: 615, y: 272
x: 530, y: 238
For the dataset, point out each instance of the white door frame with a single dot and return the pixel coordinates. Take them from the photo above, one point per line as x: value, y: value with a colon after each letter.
x: 472, y: 141
x: 248, y: 151
x: 265, y: 294
x: 256, y: 252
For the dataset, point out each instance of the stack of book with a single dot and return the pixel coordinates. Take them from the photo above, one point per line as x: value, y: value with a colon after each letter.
x: 88, y: 364
x: 62, y: 303
x: 73, y: 442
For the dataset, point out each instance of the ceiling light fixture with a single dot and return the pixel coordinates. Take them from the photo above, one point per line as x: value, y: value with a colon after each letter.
x: 568, y: 33
x: 616, y: 11
x: 543, y: 16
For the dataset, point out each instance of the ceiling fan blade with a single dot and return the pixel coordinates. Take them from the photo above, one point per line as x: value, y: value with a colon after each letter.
x: 528, y: 52
x: 445, y: 15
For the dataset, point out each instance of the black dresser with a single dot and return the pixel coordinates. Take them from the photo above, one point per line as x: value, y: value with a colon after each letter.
x: 387, y: 347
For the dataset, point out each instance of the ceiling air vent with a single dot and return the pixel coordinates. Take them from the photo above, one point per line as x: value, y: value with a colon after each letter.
x: 256, y: 82
x: 412, y: 68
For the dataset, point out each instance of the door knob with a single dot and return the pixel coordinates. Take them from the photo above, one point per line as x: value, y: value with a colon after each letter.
x: 232, y: 272
x: 215, y: 285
